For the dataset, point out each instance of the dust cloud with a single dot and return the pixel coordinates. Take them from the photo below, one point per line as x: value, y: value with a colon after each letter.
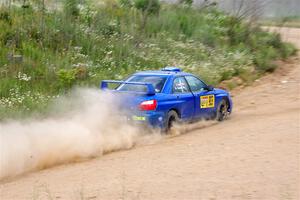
x: 93, y: 126
x: 89, y: 124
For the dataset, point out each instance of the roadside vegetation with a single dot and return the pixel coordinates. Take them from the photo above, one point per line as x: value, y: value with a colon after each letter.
x: 291, y: 21
x: 46, y: 52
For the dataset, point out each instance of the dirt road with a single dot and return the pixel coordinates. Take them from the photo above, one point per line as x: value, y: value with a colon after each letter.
x: 253, y: 155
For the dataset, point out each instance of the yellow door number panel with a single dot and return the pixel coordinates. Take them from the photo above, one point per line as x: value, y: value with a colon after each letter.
x: 207, y: 101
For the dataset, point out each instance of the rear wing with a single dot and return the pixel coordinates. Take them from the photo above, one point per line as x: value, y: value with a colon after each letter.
x: 149, y: 86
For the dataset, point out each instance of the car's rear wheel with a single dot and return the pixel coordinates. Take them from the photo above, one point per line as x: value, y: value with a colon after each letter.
x: 222, y: 110
x: 172, y: 118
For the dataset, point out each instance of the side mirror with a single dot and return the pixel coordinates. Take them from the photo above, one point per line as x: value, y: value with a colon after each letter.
x: 209, y: 88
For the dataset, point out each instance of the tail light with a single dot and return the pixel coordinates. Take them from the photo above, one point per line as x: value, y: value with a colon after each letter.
x: 148, y: 105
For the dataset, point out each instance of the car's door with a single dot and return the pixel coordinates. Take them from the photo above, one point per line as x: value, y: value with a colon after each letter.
x: 204, y: 98
x: 184, y: 98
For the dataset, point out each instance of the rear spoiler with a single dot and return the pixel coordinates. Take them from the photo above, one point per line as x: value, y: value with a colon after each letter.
x: 149, y: 86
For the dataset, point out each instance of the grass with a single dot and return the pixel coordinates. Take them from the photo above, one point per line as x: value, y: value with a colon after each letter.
x: 45, y: 53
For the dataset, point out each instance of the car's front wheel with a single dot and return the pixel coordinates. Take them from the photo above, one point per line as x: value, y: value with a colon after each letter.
x: 222, y: 110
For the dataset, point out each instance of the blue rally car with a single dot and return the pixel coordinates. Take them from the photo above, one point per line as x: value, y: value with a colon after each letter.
x: 160, y: 98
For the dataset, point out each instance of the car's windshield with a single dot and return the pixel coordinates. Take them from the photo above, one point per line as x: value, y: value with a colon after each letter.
x: 157, y: 82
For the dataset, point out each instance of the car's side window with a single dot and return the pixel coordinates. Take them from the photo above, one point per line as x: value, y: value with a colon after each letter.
x: 180, y: 85
x: 195, y: 83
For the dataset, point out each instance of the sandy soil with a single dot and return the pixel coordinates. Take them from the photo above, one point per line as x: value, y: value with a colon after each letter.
x: 253, y: 155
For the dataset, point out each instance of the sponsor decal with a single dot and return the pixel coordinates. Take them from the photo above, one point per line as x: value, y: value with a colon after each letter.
x: 138, y: 118
x: 207, y: 101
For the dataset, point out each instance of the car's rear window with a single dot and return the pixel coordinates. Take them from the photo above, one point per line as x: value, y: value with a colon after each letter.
x: 158, y: 83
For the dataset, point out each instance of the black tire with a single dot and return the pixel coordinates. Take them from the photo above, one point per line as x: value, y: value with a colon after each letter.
x: 171, y: 119
x: 222, y: 110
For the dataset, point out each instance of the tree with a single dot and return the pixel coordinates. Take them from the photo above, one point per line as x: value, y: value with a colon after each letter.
x: 71, y: 8
x: 250, y: 10
x: 147, y: 7
x: 126, y: 3
x: 187, y: 2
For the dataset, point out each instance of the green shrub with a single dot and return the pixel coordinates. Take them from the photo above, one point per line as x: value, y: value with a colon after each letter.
x: 287, y: 50
x: 5, y: 17
x: 66, y: 78
x: 263, y: 59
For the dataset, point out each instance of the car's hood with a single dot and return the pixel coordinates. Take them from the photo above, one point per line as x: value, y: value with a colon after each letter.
x: 220, y: 91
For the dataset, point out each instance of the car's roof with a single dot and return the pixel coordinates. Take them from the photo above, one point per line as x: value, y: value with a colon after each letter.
x: 161, y: 73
